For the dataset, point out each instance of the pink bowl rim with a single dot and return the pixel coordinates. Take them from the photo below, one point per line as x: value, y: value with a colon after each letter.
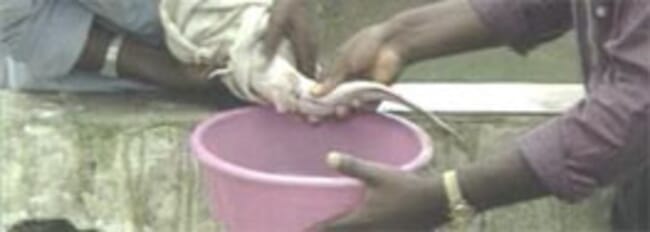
x: 206, y: 157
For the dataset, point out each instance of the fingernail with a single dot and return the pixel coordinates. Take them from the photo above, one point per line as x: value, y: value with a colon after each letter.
x: 342, y: 111
x: 280, y: 109
x: 356, y: 103
x: 313, y: 119
x: 317, y: 90
x: 334, y: 159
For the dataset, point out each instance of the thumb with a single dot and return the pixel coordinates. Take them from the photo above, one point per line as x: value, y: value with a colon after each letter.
x: 367, y: 172
x: 330, y: 79
x: 327, y: 85
x: 387, y: 66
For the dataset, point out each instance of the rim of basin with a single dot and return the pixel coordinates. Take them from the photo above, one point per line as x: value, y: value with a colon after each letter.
x: 205, y: 156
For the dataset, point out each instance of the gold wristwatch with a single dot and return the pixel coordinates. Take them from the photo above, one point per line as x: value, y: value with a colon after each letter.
x: 460, y: 212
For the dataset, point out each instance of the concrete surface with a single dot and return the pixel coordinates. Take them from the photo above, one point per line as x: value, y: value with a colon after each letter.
x: 120, y: 163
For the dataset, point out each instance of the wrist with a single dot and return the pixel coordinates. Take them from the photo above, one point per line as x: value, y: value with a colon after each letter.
x: 461, y: 211
x: 517, y: 181
x: 95, y: 48
x: 109, y: 68
x: 393, y: 33
x: 435, y: 199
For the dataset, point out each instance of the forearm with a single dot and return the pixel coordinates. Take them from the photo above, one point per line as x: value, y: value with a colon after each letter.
x: 138, y: 61
x: 439, y: 29
x: 498, y: 181
x: 94, y: 51
x: 145, y: 63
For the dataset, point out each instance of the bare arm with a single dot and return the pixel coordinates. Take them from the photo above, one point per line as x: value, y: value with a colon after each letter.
x: 381, y: 51
x: 142, y: 62
x: 444, y: 28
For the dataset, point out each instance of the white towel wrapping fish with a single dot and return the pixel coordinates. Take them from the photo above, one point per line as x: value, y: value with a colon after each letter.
x: 213, y: 32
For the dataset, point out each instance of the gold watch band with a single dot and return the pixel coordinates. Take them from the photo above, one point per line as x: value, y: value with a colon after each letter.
x: 460, y: 211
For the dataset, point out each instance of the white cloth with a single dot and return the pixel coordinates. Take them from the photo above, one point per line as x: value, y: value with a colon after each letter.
x: 214, y: 32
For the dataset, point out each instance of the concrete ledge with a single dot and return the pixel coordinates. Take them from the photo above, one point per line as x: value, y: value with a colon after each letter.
x: 500, y: 98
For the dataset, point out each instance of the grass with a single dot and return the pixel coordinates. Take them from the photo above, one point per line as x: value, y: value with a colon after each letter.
x: 551, y: 63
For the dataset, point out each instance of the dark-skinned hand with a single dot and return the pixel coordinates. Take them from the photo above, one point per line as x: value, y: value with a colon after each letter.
x: 394, y: 200
x: 289, y: 21
x: 367, y: 55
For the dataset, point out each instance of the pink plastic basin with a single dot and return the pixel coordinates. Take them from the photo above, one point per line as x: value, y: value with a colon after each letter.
x: 266, y: 172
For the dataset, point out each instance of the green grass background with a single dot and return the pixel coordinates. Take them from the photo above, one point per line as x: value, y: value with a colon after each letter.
x: 551, y: 63
x: 554, y: 62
